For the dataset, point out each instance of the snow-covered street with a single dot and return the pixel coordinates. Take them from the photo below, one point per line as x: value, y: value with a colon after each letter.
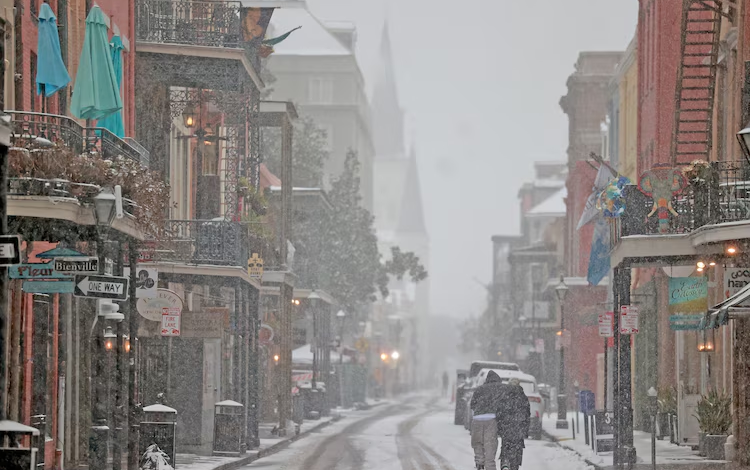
x: 416, y: 434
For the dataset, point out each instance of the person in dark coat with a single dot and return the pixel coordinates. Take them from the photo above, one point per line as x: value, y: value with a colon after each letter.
x: 513, y: 420
x: 484, y: 404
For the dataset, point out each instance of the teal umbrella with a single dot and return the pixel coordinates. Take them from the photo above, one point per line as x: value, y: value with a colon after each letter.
x: 113, y: 122
x: 96, y: 93
x: 51, y: 74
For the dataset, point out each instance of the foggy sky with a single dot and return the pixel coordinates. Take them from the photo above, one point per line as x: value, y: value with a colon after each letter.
x: 480, y: 81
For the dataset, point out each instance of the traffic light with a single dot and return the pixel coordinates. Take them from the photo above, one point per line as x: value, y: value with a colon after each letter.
x: 109, y: 310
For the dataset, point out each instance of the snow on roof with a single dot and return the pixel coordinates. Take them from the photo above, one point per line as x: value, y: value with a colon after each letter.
x: 553, y: 206
x: 312, y: 40
x: 549, y: 183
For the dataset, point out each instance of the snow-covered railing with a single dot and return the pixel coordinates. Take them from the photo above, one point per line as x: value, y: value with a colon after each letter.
x: 38, y: 129
x: 718, y: 194
x: 196, y: 23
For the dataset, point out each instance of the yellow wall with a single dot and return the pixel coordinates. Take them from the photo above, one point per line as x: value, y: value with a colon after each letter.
x: 628, y: 132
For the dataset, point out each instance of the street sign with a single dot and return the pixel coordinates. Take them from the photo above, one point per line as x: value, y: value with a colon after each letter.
x: 36, y: 271
x: 101, y: 287
x: 82, y: 265
x: 170, y: 321
x: 151, y: 308
x: 604, y: 431
x: 10, y: 250
x: 606, y: 324
x: 48, y: 287
x: 146, y: 282
x: 628, y: 319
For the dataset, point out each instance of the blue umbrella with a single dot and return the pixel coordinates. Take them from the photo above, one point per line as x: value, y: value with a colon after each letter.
x: 96, y: 93
x: 113, y: 122
x: 51, y: 74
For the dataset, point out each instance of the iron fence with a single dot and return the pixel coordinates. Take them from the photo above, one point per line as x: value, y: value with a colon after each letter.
x: 718, y: 195
x: 38, y: 129
x: 206, y: 23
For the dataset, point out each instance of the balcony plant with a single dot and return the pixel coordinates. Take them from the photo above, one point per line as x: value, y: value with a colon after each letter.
x: 85, y: 172
x: 714, y: 419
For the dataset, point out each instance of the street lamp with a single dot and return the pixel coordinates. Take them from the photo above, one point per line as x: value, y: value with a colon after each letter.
x: 104, y: 207
x: 395, y: 355
x: 653, y: 404
x: 562, y: 419
x: 313, y: 298
x: 743, y: 137
x: 109, y: 337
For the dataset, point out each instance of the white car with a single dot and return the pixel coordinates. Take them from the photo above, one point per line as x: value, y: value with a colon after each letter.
x: 527, y: 382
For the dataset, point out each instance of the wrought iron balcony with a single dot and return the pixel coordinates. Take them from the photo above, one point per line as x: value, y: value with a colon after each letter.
x: 721, y: 194
x: 213, y: 242
x: 205, y: 23
x: 38, y: 128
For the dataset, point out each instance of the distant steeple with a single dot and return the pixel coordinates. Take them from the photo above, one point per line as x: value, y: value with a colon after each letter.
x: 411, y: 219
x: 387, y: 116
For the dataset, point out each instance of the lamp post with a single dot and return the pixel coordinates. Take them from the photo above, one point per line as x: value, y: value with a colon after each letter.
x: 652, y: 394
x: 743, y: 137
x: 562, y: 421
x: 577, y: 392
x: 314, y: 299
x: 104, y: 212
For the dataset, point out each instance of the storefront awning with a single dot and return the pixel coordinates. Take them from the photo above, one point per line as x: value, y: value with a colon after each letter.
x: 734, y: 306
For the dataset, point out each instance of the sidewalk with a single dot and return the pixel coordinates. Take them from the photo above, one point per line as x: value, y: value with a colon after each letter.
x: 667, y: 455
x: 268, y: 446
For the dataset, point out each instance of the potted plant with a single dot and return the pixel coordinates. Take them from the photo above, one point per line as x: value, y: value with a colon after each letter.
x: 715, y: 419
x: 667, y: 406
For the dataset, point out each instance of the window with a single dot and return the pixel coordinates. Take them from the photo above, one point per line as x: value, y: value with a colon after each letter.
x: 320, y: 90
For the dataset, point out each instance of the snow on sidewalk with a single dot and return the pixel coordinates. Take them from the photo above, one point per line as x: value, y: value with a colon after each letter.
x: 666, y: 453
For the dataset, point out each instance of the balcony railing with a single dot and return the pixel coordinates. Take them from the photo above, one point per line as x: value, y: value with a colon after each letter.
x: 214, y: 242
x: 59, y: 188
x: 30, y: 128
x: 722, y: 196
x: 206, y: 23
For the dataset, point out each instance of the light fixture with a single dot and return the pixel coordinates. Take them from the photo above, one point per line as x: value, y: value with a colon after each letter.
x: 706, y: 344
x: 700, y: 264
x: 561, y: 290
x: 712, y: 263
x: 109, y: 337
x: 104, y: 207
x: 127, y: 343
x: 395, y: 355
x: 731, y: 250
x: 276, y: 358
x: 189, y: 116
x: 295, y: 301
x: 384, y: 357
x: 743, y: 137
x: 208, y: 134
x: 700, y: 270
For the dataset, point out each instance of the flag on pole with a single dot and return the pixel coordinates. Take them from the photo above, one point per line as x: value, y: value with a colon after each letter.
x: 599, y: 262
x: 600, y: 184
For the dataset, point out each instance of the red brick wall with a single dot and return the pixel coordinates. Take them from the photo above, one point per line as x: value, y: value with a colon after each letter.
x: 121, y: 12
x: 659, y: 24
x: 579, y: 184
x: 581, y: 308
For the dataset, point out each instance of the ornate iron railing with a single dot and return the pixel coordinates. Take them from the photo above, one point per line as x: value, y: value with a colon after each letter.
x: 40, y: 128
x: 204, y: 23
x: 721, y: 194
x: 214, y: 242
x: 59, y: 188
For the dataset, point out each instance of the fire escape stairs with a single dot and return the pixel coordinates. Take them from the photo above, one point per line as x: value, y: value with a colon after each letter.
x: 696, y: 78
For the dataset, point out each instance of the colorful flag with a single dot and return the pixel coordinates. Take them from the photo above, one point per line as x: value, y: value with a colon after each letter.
x: 600, y: 184
x: 599, y: 258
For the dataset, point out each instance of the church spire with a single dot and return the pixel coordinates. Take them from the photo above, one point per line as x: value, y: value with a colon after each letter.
x: 387, y: 116
x: 411, y: 220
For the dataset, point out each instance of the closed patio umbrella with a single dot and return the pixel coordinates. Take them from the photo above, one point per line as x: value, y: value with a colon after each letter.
x: 96, y: 93
x: 113, y: 122
x: 51, y: 74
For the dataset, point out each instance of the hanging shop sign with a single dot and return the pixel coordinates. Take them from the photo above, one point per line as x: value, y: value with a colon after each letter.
x: 255, y: 266
x: 735, y: 279
x: 688, y: 302
x: 151, y: 308
x: 628, y: 320
x: 48, y: 287
x: 60, y: 252
x: 35, y: 271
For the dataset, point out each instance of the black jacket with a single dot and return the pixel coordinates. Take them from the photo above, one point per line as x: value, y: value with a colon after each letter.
x: 513, y: 414
x: 486, y: 398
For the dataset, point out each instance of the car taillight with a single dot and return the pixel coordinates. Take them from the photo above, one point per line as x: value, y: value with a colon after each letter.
x: 535, y: 399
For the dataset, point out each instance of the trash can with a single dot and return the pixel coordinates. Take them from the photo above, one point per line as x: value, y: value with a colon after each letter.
x: 228, y: 423
x: 15, y: 456
x: 313, y: 399
x: 158, y: 427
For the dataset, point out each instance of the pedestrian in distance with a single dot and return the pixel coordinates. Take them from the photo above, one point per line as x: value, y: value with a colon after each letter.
x: 485, y: 404
x: 446, y: 381
x: 513, y: 420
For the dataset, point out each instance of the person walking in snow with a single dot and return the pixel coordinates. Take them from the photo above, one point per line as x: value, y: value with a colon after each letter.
x: 446, y: 380
x: 485, y: 404
x: 513, y: 420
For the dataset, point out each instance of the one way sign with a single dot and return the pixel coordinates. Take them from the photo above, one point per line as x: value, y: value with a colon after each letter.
x: 101, y: 287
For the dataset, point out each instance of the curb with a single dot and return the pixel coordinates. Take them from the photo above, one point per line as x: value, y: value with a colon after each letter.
x: 559, y: 444
x: 279, y: 446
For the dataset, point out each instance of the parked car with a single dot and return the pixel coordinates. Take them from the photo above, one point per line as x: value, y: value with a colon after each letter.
x: 461, y: 378
x: 527, y: 382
